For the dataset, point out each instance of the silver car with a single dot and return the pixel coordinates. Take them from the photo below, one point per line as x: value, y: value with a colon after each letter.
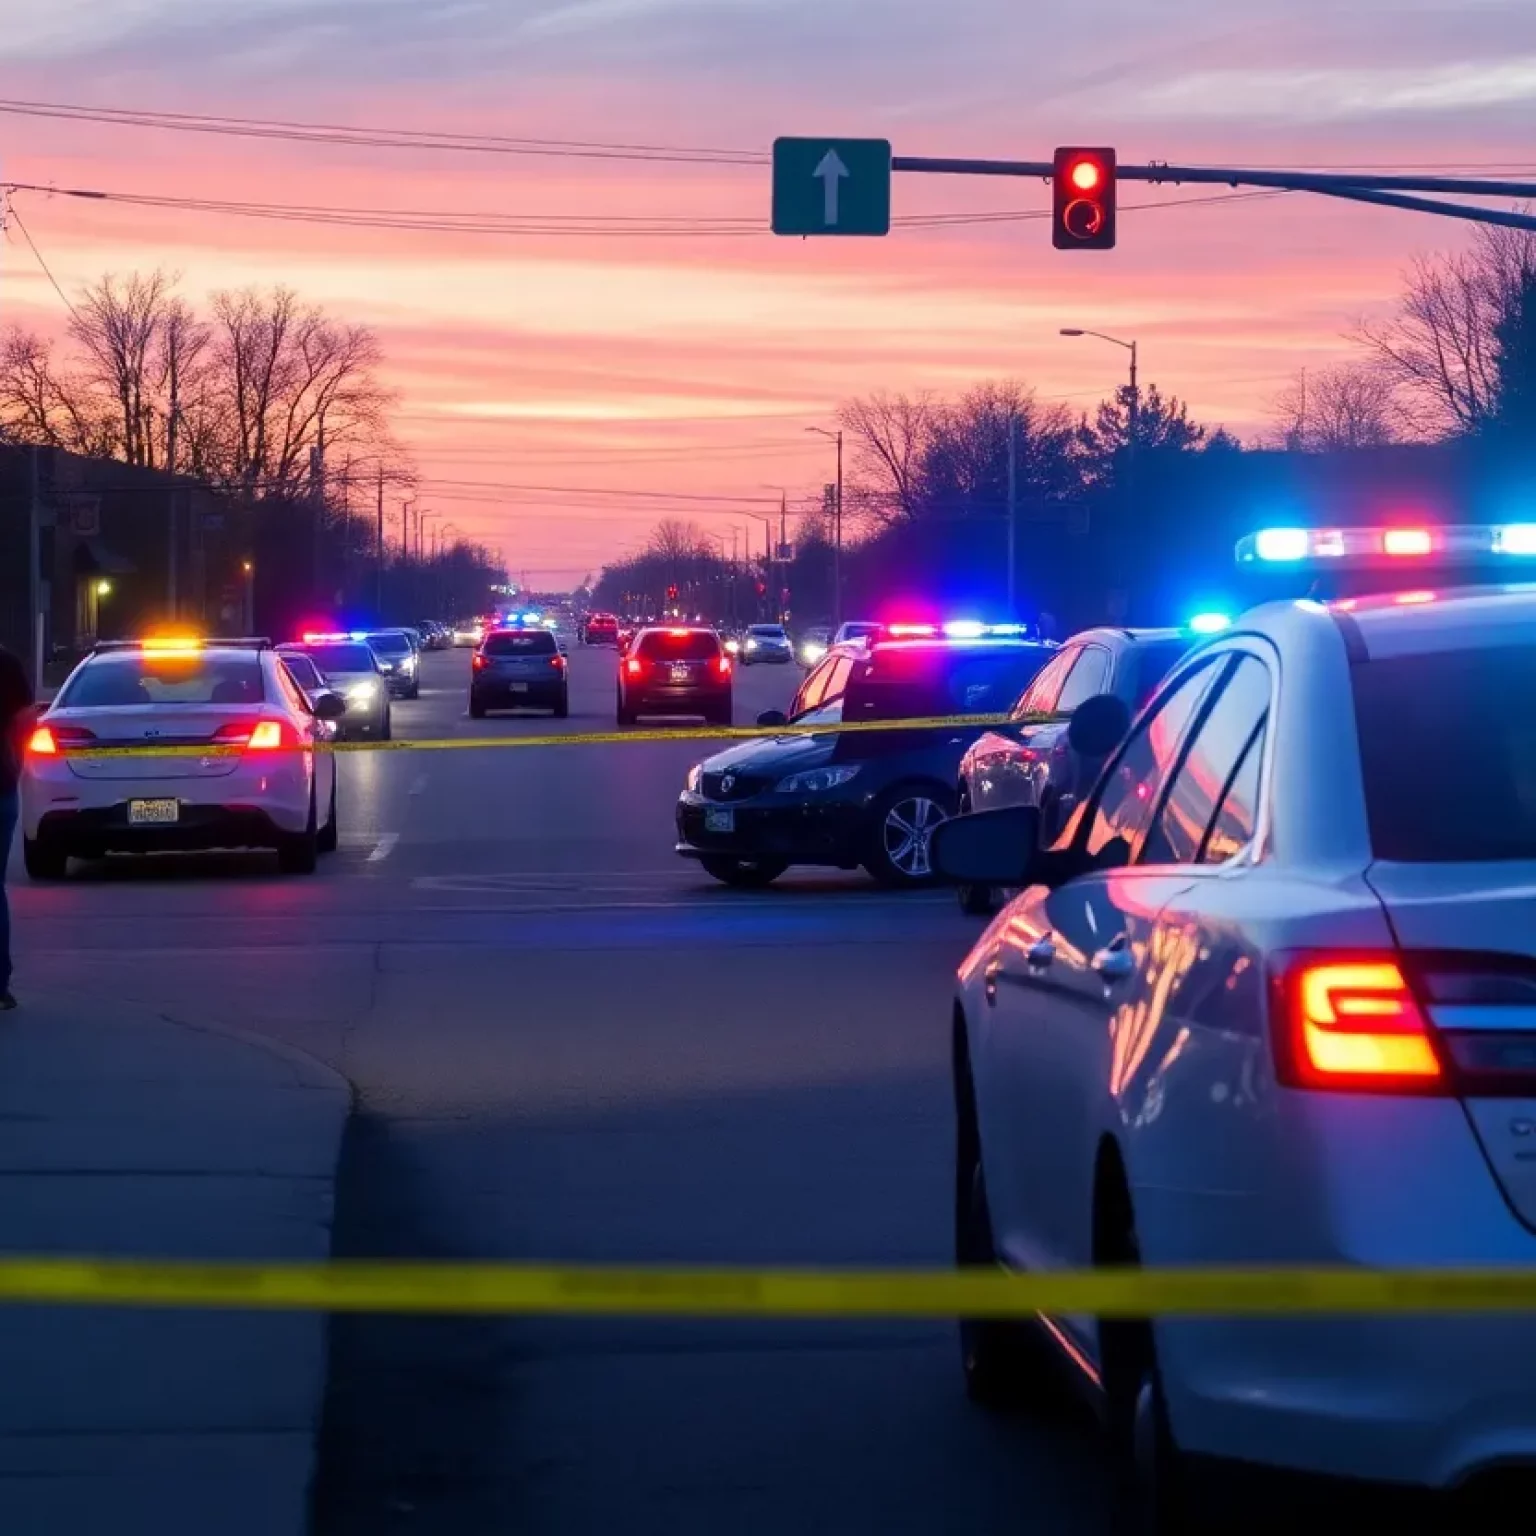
x: 766, y: 642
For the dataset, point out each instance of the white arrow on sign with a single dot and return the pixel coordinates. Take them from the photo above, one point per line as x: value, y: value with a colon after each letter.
x: 831, y: 170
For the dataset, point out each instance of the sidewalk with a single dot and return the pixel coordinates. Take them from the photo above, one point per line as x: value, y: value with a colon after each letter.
x: 122, y: 1133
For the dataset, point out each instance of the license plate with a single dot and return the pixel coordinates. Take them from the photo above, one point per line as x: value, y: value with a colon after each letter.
x: 719, y: 821
x: 519, y: 687
x: 680, y: 674
x: 153, y: 813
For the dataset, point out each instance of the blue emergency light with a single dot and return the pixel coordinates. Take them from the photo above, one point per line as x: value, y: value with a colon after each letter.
x: 1209, y: 623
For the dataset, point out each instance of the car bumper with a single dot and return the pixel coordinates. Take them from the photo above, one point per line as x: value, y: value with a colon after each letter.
x: 358, y: 724
x: 400, y: 684
x: 828, y: 831
x: 753, y: 657
x: 692, y: 700
x: 514, y: 696
x: 1392, y: 1398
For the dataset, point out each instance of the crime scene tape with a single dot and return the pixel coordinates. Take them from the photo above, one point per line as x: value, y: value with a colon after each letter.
x: 571, y: 739
x: 546, y: 1290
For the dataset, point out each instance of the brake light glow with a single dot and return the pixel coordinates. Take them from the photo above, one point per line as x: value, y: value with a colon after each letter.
x: 1352, y: 1024
x: 723, y: 663
x: 558, y: 663
x: 42, y: 743
x: 267, y: 736
x: 1406, y: 541
x: 479, y: 662
x: 683, y: 632
x: 634, y: 666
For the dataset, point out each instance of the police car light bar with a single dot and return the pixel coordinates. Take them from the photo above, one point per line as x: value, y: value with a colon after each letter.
x: 1385, y: 546
x: 954, y: 629
x: 1209, y: 623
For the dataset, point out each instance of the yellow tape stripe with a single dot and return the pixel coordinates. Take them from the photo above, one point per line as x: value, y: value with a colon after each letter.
x: 366, y: 1286
x: 573, y: 739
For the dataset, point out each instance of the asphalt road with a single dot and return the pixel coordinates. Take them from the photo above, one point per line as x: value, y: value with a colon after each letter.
x: 569, y: 1044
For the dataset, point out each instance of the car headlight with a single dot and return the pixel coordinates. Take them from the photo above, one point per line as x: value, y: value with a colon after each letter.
x: 815, y: 781
x: 811, y: 654
x: 364, y: 690
x: 751, y: 645
x: 695, y: 778
x: 733, y: 646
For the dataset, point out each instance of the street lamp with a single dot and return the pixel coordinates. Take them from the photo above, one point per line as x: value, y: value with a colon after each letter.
x: 1130, y: 346
x: 837, y: 529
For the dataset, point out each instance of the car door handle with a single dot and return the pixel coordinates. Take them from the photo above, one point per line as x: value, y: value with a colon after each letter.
x: 1114, y: 963
x: 1040, y: 954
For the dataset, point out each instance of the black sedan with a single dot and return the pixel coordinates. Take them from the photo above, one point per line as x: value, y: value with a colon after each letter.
x: 869, y: 798
x: 682, y: 670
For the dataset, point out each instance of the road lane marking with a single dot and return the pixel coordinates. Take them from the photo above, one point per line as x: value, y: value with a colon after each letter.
x: 383, y: 847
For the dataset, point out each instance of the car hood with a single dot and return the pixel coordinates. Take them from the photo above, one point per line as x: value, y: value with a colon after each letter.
x: 775, y: 754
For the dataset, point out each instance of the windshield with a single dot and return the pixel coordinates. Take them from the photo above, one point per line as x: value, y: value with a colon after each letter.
x: 906, y: 685
x: 533, y: 642
x: 333, y: 659
x: 392, y: 643
x: 134, y: 678
x: 305, y: 673
x: 1485, y: 810
x: 767, y: 631
x: 1153, y: 662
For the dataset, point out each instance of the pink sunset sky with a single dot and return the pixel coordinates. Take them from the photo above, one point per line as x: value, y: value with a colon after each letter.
x: 561, y: 390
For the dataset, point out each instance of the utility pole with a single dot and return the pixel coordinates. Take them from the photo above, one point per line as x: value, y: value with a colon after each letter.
x: 171, y: 532
x: 35, y: 572
x: 1013, y: 516
x: 378, y: 575
x: 837, y: 546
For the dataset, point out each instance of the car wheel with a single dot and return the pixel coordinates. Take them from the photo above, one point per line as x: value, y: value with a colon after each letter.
x: 387, y: 730
x: 299, y: 853
x: 43, y: 860
x: 329, y: 838
x: 625, y: 715
x: 563, y: 708
x: 476, y: 709
x: 744, y: 874
x: 902, y: 823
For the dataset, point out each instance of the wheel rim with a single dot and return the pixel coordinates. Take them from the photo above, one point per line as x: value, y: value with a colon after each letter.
x: 908, y: 826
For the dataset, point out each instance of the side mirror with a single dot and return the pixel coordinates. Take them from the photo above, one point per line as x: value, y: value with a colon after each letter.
x: 773, y: 717
x: 1098, y: 725
x: 329, y: 706
x: 999, y: 847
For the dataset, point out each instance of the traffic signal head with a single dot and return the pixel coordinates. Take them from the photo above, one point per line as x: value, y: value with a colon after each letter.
x: 1083, y: 200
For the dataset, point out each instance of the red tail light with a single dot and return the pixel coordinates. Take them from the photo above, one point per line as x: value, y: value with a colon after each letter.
x: 51, y: 740
x: 634, y: 666
x: 253, y: 735
x: 1351, y: 1023
x: 480, y: 662
x: 558, y: 663
x: 724, y: 664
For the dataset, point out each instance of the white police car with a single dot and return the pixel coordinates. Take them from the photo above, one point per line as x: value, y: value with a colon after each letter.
x: 1270, y: 1000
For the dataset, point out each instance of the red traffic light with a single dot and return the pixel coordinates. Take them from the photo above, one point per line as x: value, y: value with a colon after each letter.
x: 1083, y: 200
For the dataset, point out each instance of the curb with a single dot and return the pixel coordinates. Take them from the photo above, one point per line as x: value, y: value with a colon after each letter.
x: 320, y: 1074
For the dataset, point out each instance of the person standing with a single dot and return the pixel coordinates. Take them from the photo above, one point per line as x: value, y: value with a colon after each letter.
x: 15, y: 717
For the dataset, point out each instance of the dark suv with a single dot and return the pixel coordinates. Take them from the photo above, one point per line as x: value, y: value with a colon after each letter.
x: 519, y: 669
x: 680, y: 671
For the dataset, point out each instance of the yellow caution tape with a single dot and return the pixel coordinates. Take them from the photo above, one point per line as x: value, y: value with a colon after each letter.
x: 571, y: 739
x: 543, y: 1290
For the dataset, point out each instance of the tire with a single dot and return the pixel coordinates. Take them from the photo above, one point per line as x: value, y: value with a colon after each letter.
x: 476, y: 709
x: 387, y: 730
x: 744, y: 874
x: 299, y: 853
x: 329, y: 837
x: 892, y: 859
x: 563, y: 708
x: 43, y: 861
x: 624, y: 714
x: 415, y: 692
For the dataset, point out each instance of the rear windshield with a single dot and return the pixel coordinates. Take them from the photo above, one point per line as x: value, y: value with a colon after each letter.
x: 909, y: 685
x: 1154, y: 661
x: 1467, y: 792
x: 133, y: 678
x: 694, y: 645
x: 341, y: 658
x: 532, y: 642
x: 390, y: 645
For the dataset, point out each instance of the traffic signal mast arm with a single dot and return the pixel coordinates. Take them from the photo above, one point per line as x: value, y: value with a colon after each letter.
x: 1384, y: 191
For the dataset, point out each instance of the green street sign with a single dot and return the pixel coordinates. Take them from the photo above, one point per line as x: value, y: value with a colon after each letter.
x: 831, y: 186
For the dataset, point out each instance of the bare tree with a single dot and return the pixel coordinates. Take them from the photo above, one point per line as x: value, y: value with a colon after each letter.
x: 888, y: 436
x: 678, y: 545
x: 288, y: 380
x: 1352, y: 405
x: 45, y: 403
x: 1440, y: 345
